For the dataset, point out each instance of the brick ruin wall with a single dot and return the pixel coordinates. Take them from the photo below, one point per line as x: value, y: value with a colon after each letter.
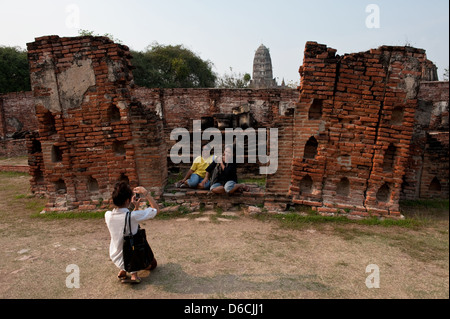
x: 218, y: 108
x: 345, y: 137
x: 92, y: 133
x: 427, y: 173
x: 17, y: 117
x: 353, y: 128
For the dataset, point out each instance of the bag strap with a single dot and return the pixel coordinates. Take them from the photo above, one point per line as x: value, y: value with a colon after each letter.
x: 127, y: 217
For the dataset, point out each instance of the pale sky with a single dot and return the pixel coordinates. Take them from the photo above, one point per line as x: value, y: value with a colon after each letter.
x: 228, y: 32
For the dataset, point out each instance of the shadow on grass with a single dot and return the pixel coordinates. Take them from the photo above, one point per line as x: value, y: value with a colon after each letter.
x: 172, y: 278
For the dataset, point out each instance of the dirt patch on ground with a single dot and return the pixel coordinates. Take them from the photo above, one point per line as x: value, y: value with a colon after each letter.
x: 217, y: 255
x: 14, y: 161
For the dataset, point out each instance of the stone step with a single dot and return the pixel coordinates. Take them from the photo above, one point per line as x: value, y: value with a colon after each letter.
x: 255, y: 196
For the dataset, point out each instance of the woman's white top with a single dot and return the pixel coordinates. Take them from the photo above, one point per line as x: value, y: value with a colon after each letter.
x: 115, y: 220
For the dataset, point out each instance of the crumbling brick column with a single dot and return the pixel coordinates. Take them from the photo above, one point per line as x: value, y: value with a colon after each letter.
x: 427, y: 173
x: 90, y: 128
x: 353, y: 126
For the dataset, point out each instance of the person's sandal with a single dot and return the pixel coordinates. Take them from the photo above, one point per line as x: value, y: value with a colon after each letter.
x: 122, y: 277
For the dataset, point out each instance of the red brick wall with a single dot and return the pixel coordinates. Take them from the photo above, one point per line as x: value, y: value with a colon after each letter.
x: 91, y: 131
x: 16, y: 113
x: 16, y: 116
x: 178, y: 108
x: 361, y: 151
x: 277, y: 185
x: 437, y: 93
x: 429, y: 148
x: 13, y: 148
x: 434, y: 182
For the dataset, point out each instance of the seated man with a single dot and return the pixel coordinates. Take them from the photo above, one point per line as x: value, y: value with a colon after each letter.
x: 197, y: 172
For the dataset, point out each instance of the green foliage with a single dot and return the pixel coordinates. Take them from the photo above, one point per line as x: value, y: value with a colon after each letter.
x: 14, y: 70
x: 167, y: 66
x: 84, y: 33
x: 426, y: 204
x: 233, y: 80
x: 300, y: 221
x: 70, y: 215
x: 159, y: 66
x: 13, y: 174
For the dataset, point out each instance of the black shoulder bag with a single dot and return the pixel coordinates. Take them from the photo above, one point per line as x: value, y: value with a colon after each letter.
x: 137, y: 254
x: 215, y: 174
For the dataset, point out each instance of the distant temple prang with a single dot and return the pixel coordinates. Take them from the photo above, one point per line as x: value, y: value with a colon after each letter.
x: 262, y: 70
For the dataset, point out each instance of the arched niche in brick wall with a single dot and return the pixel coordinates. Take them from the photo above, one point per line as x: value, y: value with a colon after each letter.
x: 389, y: 158
x: 435, y: 185
x: 397, y: 116
x: 48, y: 123
x: 57, y: 155
x: 384, y: 193
x: 343, y: 187
x: 113, y: 113
x: 38, y: 176
x: 306, y: 185
x: 36, y: 147
x: 93, y: 185
x: 315, y: 110
x: 311, y: 148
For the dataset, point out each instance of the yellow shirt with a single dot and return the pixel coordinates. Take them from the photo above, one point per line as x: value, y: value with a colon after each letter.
x: 200, y: 165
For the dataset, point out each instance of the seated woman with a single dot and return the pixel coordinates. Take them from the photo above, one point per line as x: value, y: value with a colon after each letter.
x: 225, y: 180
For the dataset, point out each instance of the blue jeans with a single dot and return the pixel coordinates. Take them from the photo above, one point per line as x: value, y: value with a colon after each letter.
x: 228, y: 186
x: 195, y: 179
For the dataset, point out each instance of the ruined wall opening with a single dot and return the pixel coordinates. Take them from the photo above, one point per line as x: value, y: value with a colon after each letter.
x: 389, y: 158
x: 384, y: 193
x: 397, y: 116
x: 435, y: 185
x: 343, y: 187
x: 93, y: 185
x: 60, y: 187
x: 119, y: 148
x: 306, y: 185
x: 48, y: 121
x: 57, y: 155
x: 113, y: 113
x: 38, y: 176
x: 36, y: 147
x: 311, y: 148
x: 315, y: 111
